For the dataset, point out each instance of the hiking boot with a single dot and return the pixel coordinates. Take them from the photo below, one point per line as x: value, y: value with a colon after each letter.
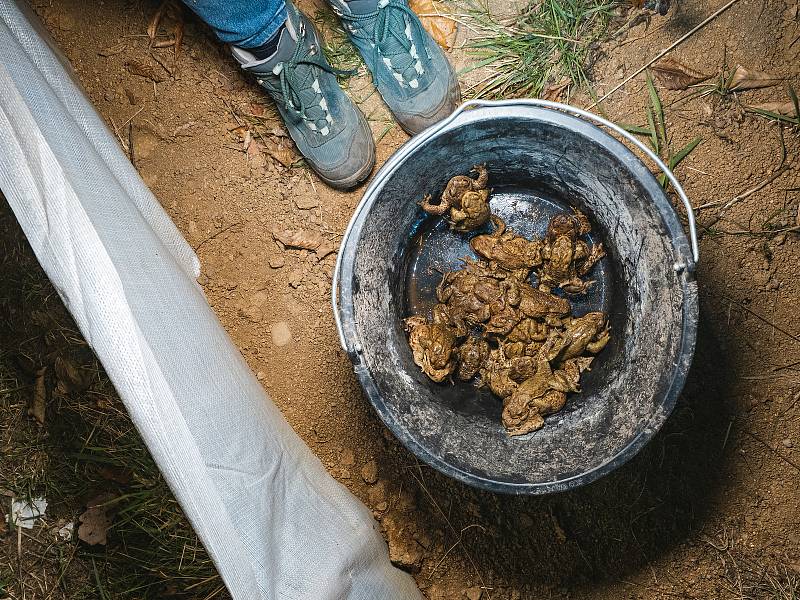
x: 408, y: 67
x: 328, y: 129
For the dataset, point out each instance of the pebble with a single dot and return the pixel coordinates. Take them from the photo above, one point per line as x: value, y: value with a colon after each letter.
x: 370, y: 472
x: 347, y: 458
x: 252, y: 312
x: 277, y: 262
x: 295, y: 279
x: 281, y: 334
x: 306, y: 202
x: 787, y: 443
x: 473, y: 593
x: 261, y: 375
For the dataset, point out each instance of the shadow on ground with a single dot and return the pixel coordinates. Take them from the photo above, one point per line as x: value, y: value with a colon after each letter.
x: 612, y: 527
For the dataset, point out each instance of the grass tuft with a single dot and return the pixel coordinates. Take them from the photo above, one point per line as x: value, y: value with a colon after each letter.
x: 549, y: 41
x: 87, y: 447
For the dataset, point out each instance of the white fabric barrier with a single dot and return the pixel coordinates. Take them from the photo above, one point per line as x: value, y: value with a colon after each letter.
x: 275, y: 523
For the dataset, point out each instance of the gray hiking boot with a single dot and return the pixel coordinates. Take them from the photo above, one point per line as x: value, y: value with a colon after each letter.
x: 409, y: 68
x: 328, y: 129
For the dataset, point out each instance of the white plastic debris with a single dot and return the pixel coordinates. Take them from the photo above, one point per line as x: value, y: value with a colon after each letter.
x: 65, y: 533
x: 24, y: 513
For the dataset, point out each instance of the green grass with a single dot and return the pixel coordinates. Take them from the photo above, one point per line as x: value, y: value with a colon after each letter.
x: 341, y: 54
x: 548, y: 41
x: 656, y: 133
x: 86, y: 447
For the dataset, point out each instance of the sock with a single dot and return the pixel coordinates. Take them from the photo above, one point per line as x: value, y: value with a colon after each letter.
x: 269, y: 47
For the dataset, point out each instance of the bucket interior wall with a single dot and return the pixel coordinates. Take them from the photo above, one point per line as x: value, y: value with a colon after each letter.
x: 627, y: 393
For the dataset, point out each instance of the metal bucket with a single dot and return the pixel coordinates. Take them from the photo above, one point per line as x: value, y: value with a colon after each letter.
x: 542, y: 157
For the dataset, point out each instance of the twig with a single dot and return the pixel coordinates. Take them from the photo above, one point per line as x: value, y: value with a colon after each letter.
x: 743, y: 196
x: 449, y: 524
x: 760, y: 318
x: 664, y: 52
x: 162, y: 63
x: 458, y: 541
x: 774, y: 450
x: 220, y: 232
x: 131, y: 154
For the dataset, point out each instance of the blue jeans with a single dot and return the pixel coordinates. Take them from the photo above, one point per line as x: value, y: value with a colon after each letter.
x: 243, y: 23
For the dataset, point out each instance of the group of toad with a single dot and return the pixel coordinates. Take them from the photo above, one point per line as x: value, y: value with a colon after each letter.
x: 491, y: 325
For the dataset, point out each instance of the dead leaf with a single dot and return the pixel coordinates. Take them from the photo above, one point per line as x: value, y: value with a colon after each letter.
x: 247, y: 139
x: 744, y: 79
x: 113, y: 50
x: 142, y: 70
x: 257, y: 109
x: 253, y: 148
x: 281, y: 150
x: 782, y: 108
x: 298, y: 238
x: 152, y: 26
x: 178, y: 38
x: 164, y: 43
x: 116, y: 474
x: 69, y: 378
x: 441, y: 27
x: 241, y: 132
x: 554, y: 91
x: 324, y: 250
x: 38, y: 401
x: 95, y: 521
x: 677, y: 76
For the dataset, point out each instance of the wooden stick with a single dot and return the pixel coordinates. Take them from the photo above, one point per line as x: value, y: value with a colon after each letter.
x: 671, y: 47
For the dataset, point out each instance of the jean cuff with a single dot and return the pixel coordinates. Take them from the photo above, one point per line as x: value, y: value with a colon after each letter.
x: 267, y: 31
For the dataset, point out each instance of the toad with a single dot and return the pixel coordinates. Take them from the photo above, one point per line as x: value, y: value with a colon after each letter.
x: 466, y: 198
x: 565, y: 258
x: 495, y: 374
x: 471, y: 356
x: 506, y: 249
x: 536, y: 397
x: 432, y: 345
x: 541, y: 304
x: 587, y: 333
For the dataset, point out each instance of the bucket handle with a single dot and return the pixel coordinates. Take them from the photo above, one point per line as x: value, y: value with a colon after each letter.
x: 421, y: 138
x: 601, y: 121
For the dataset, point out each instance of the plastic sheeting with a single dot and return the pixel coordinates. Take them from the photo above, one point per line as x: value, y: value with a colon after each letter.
x: 274, y: 522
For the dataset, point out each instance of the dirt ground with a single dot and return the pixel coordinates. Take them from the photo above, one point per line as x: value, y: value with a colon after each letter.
x: 709, y: 509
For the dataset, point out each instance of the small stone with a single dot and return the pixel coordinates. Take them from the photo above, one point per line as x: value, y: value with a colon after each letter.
x: 787, y: 443
x: 277, y: 262
x: 252, y: 312
x: 370, y: 472
x: 381, y: 506
x: 347, y: 458
x: 344, y: 474
x: 109, y: 95
x: 423, y: 538
x: 193, y: 231
x: 306, y: 202
x: 281, y: 334
x: 295, y: 279
x: 133, y: 97
x: 261, y: 375
x: 473, y: 593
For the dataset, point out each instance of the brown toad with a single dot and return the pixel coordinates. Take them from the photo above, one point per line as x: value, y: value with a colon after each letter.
x: 524, y: 410
x: 565, y: 258
x: 472, y: 354
x: 506, y: 249
x: 432, y: 345
x: 587, y: 333
x: 466, y: 198
x: 541, y: 304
